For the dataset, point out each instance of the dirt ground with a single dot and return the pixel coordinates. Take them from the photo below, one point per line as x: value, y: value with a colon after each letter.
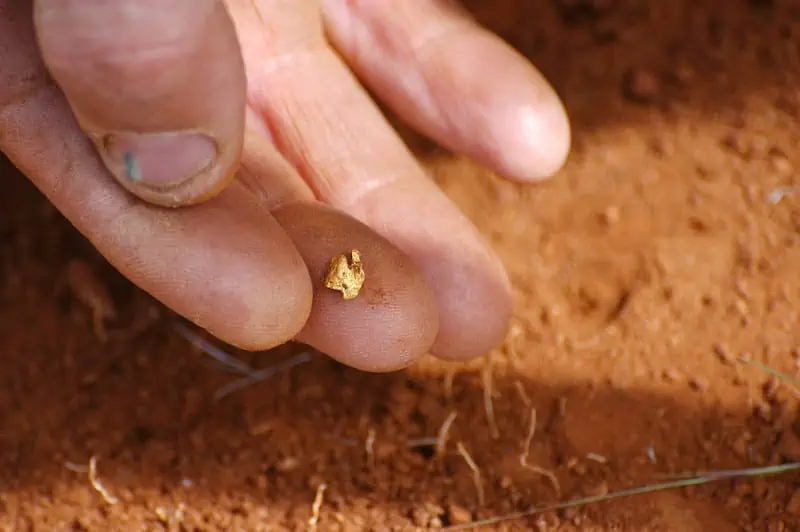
x: 641, y: 273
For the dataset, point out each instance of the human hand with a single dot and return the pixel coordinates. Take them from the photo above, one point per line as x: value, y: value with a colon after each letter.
x: 318, y: 171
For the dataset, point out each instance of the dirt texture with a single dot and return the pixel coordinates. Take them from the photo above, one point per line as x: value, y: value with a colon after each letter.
x: 654, y: 260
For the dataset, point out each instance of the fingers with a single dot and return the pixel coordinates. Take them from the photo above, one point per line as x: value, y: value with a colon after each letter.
x: 269, y: 178
x: 392, y: 321
x: 226, y: 265
x: 454, y: 81
x: 334, y: 135
x: 159, y: 87
x: 394, y: 318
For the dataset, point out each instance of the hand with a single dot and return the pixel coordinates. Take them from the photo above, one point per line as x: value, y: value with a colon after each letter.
x: 117, y: 109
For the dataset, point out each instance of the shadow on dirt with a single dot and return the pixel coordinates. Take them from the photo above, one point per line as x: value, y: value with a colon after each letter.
x: 142, y: 403
x: 624, y: 63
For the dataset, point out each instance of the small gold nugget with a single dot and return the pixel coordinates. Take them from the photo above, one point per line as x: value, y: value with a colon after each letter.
x: 346, y: 275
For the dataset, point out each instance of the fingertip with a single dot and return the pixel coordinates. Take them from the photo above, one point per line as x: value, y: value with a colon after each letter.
x: 534, y: 141
x: 273, y: 313
x: 227, y: 266
x: 159, y: 88
x: 394, y: 318
x: 475, y: 297
x: 528, y: 131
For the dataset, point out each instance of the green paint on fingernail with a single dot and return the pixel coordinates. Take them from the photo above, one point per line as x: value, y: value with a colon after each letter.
x: 131, y: 168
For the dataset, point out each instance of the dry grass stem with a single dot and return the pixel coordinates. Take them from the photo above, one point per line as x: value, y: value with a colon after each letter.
x: 711, y: 476
x: 422, y: 442
x: 794, y: 383
x: 97, y: 485
x: 369, y: 447
x: 523, y: 394
x: 316, y: 506
x: 449, y: 377
x: 477, y: 478
x: 526, y: 448
x: 562, y: 406
x: 444, y: 432
x: 488, y: 392
x: 599, y: 458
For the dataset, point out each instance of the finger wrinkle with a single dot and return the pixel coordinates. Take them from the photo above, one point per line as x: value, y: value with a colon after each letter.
x: 272, y: 34
x: 422, y: 39
x: 260, y: 73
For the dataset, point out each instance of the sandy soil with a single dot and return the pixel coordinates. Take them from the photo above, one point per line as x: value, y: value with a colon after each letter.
x: 642, y: 272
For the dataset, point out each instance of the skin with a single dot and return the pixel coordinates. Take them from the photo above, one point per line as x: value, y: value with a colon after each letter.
x: 305, y: 167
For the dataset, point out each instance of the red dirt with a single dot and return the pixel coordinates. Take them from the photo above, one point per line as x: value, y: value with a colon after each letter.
x: 641, y: 272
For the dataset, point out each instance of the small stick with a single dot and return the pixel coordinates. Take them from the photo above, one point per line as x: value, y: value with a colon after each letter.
x: 526, y: 448
x: 97, y: 485
x: 444, y: 430
x: 487, y: 397
x: 476, y: 473
x: 316, y: 506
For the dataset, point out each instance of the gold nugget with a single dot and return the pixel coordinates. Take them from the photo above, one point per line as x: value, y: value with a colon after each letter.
x: 346, y: 275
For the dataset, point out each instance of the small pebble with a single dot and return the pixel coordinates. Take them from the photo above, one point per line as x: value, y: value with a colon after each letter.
x: 698, y: 384
x: 420, y: 517
x: 670, y: 375
x: 736, y: 142
x: 289, y: 463
x: 782, y: 165
x: 609, y: 216
x: 458, y: 515
x: 641, y: 86
x: 723, y: 353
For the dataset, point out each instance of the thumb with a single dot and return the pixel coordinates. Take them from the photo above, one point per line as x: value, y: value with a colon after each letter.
x: 159, y: 87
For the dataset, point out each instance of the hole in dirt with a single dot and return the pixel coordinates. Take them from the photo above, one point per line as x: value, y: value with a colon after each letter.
x: 697, y: 225
x: 667, y: 293
x: 425, y: 451
x: 142, y: 434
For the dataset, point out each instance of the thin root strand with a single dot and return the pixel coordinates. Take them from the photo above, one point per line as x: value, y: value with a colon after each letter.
x: 477, y: 478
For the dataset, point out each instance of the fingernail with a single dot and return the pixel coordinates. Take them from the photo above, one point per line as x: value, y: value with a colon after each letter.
x: 159, y: 159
